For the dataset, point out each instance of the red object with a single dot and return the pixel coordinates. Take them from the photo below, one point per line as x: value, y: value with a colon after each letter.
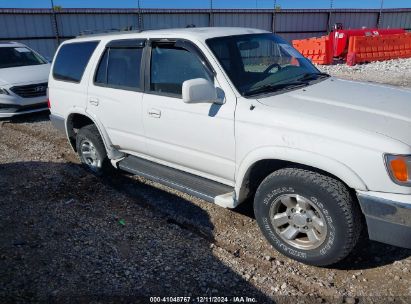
x: 318, y: 50
x: 351, y: 59
x: 48, y: 103
x: 377, y: 48
x: 340, y: 38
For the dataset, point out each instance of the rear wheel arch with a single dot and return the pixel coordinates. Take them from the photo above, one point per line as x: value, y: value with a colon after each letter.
x: 74, y: 122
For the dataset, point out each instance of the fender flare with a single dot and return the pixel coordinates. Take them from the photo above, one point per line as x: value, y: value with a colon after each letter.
x: 112, y: 153
x: 300, y: 157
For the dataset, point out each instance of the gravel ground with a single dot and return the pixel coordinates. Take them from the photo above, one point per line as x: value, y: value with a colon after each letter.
x: 68, y: 236
x: 395, y: 72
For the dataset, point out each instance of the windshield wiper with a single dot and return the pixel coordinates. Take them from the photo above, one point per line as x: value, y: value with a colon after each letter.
x: 275, y: 87
x: 313, y: 76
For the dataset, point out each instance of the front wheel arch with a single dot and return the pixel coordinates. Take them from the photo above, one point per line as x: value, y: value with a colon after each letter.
x: 260, y: 163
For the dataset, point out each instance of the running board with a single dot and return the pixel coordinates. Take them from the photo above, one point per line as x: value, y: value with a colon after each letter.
x: 200, y: 187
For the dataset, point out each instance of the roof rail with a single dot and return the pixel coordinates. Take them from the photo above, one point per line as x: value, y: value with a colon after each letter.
x: 9, y: 42
x: 126, y: 30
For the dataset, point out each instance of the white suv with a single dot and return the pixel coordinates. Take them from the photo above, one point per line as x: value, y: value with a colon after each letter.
x: 23, y: 80
x: 227, y: 114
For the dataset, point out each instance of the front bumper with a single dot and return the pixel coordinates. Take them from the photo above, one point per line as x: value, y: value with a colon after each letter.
x: 13, y: 110
x: 388, y: 217
x: 11, y: 105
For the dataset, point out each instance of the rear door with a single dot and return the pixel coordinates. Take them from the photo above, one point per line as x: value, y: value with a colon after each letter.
x: 115, y: 94
x: 198, y: 138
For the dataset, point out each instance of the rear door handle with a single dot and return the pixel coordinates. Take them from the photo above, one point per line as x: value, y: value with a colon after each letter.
x: 154, y: 113
x: 94, y: 101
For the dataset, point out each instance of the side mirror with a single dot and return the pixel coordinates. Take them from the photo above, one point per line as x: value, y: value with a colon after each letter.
x: 199, y: 90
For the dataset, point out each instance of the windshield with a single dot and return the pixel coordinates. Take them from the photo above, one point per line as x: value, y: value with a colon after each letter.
x: 260, y: 63
x: 18, y: 56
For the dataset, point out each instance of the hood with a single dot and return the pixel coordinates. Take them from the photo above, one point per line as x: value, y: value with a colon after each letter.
x: 376, y: 108
x: 25, y: 74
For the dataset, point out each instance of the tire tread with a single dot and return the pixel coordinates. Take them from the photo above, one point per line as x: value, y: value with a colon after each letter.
x: 341, y: 194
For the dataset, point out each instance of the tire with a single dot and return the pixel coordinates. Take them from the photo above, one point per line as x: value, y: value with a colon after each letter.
x: 91, y: 150
x: 307, y: 216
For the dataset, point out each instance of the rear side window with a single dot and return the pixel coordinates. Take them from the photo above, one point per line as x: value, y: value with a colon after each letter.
x: 120, y: 68
x: 72, y: 60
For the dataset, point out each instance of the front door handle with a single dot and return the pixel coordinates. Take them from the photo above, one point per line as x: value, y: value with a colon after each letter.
x: 154, y: 113
x: 94, y: 101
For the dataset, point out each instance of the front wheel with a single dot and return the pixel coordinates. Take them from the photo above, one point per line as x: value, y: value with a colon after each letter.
x: 307, y: 216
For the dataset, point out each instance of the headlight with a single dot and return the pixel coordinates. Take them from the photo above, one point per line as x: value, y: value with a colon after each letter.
x: 4, y: 91
x: 399, y: 168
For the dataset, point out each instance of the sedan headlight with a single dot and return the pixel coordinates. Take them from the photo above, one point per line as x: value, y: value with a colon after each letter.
x: 4, y: 91
x: 399, y: 168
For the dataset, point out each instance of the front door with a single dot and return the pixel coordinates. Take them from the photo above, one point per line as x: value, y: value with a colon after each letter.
x: 198, y: 138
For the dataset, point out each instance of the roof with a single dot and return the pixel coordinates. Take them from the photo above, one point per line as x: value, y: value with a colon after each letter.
x: 10, y: 43
x: 196, y: 33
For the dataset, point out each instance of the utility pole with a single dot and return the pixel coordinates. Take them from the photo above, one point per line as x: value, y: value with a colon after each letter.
x: 273, y: 21
x: 55, y: 25
x: 330, y: 15
x: 380, y: 14
x: 140, y: 19
x: 210, y: 15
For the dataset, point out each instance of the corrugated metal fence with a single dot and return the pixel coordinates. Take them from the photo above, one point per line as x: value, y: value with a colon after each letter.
x: 43, y: 30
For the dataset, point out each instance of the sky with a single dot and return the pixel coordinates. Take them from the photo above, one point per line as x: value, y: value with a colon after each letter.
x: 205, y: 3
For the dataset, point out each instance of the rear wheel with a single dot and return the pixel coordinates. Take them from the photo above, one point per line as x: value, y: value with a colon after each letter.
x: 91, y: 150
x: 307, y: 216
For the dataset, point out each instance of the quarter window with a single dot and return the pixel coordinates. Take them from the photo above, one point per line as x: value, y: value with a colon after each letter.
x: 171, y: 66
x: 120, y: 68
x: 72, y: 60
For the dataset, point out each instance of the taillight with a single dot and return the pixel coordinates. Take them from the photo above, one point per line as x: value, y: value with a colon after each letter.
x: 48, y: 103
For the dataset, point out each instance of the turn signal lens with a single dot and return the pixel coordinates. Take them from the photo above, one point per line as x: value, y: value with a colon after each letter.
x: 399, y: 167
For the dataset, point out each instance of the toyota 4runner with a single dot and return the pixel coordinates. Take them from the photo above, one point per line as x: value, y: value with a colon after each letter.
x: 233, y: 115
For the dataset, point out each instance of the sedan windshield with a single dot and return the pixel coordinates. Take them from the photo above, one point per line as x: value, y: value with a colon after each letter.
x: 263, y: 63
x: 18, y: 56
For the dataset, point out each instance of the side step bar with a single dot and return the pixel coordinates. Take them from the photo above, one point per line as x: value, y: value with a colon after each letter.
x: 200, y: 187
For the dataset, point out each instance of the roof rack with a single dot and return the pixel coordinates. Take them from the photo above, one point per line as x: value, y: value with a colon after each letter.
x: 126, y: 30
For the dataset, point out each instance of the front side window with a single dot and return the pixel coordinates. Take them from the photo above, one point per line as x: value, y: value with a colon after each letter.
x: 171, y: 66
x: 72, y: 60
x: 262, y: 63
x: 120, y: 68
x: 11, y: 57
